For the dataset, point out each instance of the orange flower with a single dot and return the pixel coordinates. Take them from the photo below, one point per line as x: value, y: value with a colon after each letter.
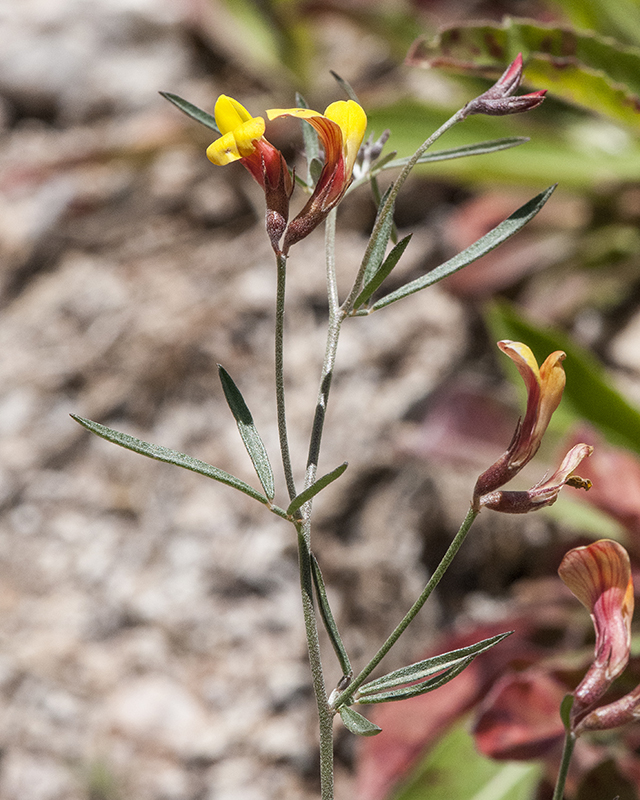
x: 341, y: 129
x: 599, y: 575
x: 242, y: 140
x: 544, y: 392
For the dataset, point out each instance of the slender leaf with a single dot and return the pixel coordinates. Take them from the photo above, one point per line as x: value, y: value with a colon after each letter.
x: 346, y: 87
x: 160, y: 453
x: 505, y: 230
x: 248, y: 432
x: 192, y: 111
x: 328, y: 618
x: 356, y: 723
x: 382, y: 162
x: 311, y: 145
x: 559, y: 151
x: 383, y: 271
x: 478, y: 149
x: 300, y: 499
x: 406, y: 692
x: 565, y: 710
x: 589, y: 393
x: 423, y: 669
x: 379, y: 239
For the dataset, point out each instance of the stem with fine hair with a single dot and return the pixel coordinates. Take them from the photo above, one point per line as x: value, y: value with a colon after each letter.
x: 346, y: 696
x: 325, y: 715
x: 336, y: 318
x: 567, y: 752
x: 281, y: 263
x: 347, y: 306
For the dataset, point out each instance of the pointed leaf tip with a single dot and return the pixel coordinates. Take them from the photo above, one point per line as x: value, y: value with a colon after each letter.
x: 358, y: 724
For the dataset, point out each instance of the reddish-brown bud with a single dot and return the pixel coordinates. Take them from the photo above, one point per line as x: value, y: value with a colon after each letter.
x: 498, y: 100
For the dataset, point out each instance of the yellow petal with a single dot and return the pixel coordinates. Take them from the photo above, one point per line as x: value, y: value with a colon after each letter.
x: 224, y: 150
x: 237, y: 143
x: 229, y: 113
x: 353, y: 123
x: 300, y: 113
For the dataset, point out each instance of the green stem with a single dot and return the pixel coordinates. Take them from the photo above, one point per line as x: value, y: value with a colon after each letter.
x: 567, y: 752
x: 325, y: 715
x: 346, y: 696
x: 347, y: 306
x: 336, y: 318
x: 330, y: 258
x: 281, y: 261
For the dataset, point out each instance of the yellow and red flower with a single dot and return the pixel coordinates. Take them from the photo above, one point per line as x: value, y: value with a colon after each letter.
x: 599, y: 575
x: 341, y: 130
x: 242, y: 139
x: 544, y: 391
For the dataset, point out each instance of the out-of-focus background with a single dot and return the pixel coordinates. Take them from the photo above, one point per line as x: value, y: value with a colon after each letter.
x: 151, y: 643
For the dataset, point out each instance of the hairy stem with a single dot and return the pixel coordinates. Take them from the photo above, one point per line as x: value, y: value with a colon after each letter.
x: 325, y: 714
x: 281, y: 262
x: 347, y: 306
x: 346, y: 696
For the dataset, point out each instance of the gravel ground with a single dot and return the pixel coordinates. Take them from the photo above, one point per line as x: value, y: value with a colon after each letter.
x: 151, y: 641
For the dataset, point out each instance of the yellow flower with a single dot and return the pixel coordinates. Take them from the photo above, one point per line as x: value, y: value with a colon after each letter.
x: 242, y: 140
x: 341, y: 130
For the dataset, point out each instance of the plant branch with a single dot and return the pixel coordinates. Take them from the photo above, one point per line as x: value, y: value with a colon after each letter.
x: 387, y: 208
x: 346, y: 696
x: 281, y: 262
x: 567, y: 752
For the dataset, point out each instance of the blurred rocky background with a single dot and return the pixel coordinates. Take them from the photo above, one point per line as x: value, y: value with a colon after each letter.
x: 151, y: 641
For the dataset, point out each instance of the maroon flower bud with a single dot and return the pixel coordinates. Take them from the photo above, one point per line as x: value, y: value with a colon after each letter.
x: 498, y: 100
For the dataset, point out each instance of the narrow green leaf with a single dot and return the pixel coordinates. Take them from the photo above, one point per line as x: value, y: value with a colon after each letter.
x: 382, y: 162
x: 328, y: 618
x: 346, y: 87
x: 356, y: 723
x: 311, y: 145
x: 477, y: 149
x: 589, y: 393
x: 160, y: 453
x: 423, y: 669
x: 383, y: 271
x: 248, y: 432
x: 377, y: 246
x: 565, y: 710
x: 406, y: 692
x: 318, y: 486
x: 192, y: 111
x: 505, y: 230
